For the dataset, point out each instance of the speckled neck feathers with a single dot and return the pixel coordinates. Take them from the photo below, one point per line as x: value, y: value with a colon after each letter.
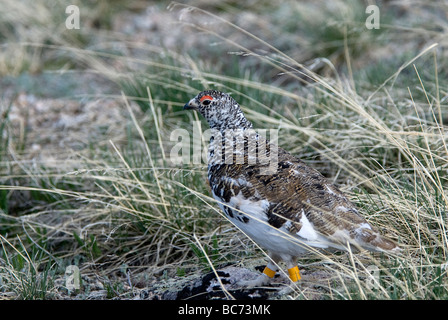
x: 223, y: 113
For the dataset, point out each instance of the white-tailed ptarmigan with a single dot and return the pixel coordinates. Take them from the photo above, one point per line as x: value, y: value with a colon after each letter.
x: 285, y: 206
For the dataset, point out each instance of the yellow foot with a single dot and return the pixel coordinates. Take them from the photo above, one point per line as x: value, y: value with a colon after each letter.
x: 270, y: 273
x: 261, y: 280
x: 294, y: 274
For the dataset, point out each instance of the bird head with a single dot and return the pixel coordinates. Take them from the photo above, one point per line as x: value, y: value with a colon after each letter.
x: 220, y: 110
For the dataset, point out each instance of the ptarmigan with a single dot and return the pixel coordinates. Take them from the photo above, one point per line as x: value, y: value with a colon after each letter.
x: 285, y: 206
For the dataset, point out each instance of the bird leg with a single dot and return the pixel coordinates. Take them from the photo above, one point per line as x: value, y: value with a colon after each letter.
x: 294, y: 276
x: 265, y: 278
x: 270, y: 270
x: 294, y: 273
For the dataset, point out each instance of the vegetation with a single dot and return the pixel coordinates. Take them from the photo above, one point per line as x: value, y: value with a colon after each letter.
x: 86, y: 134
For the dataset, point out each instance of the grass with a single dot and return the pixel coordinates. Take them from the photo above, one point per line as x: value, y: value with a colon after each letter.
x: 367, y: 109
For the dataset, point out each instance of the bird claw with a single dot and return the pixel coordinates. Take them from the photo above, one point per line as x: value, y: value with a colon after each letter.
x: 260, y: 281
x: 263, y: 280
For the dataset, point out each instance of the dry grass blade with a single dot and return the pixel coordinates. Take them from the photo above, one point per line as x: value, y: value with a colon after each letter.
x: 86, y: 117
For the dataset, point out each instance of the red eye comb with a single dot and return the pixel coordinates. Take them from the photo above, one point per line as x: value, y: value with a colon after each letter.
x: 206, y: 98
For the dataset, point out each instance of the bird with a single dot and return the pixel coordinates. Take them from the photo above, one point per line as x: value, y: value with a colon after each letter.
x: 285, y: 206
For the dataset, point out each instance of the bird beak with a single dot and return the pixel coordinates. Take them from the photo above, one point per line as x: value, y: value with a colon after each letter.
x: 191, y: 105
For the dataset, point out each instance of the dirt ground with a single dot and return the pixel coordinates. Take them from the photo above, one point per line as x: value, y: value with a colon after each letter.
x: 56, y: 116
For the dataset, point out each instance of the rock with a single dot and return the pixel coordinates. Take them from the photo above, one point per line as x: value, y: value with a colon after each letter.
x: 208, y: 287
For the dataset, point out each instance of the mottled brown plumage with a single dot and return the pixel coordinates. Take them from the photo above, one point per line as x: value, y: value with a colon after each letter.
x: 271, y: 195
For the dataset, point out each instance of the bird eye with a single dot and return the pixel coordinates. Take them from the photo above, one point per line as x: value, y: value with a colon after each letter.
x: 206, y: 100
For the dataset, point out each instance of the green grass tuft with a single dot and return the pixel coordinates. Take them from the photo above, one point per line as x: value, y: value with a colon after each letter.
x: 87, y: 117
